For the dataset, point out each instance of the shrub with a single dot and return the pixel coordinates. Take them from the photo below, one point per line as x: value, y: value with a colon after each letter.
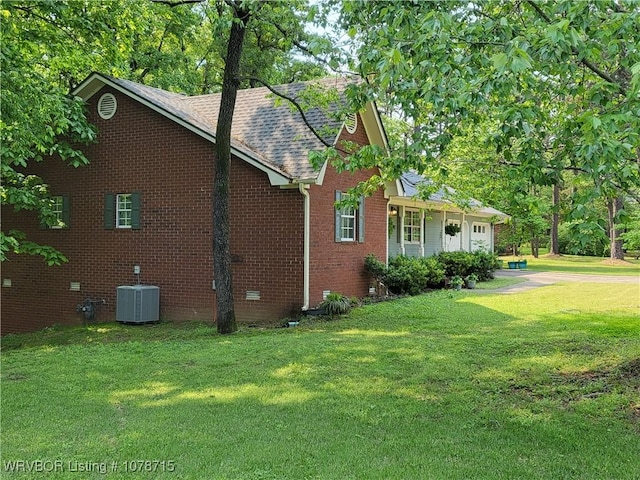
x: 583, y: 239
x: 374, y: 267
x: 463, y: 264
x: 484, y: 265
x: 456, y: 263
x: 436, y: 273
x: 336, y: 304
x: 407, y: 275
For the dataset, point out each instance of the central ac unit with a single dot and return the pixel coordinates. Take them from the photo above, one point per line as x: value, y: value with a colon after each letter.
x: 137, y: 303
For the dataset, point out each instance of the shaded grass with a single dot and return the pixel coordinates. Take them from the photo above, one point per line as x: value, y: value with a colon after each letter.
x: 539, y: 384
x: 101, y: 333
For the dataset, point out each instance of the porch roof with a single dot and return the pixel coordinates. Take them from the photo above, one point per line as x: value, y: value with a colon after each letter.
x: 423, y: 192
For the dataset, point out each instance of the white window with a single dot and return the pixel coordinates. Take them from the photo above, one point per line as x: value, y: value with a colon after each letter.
x: 349, y: 220
x: 412, y: 226
x: 348, y: 224
x: 58, y: 209
x: 124, y: 209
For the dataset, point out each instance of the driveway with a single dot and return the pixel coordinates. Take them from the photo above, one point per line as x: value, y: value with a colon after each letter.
x: 533, y: 279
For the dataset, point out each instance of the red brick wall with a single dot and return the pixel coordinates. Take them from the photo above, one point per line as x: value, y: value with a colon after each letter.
x: 266, y: 246
x: 339, y: 267
x: 139, y: 150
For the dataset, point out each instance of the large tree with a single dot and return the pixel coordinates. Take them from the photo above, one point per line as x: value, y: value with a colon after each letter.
x: 284, y: 24
x: 188, y: 46
x: 560, y: 80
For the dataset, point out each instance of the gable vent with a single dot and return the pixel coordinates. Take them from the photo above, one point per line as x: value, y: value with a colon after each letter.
x: 351, y: 122
x: 107, y: 106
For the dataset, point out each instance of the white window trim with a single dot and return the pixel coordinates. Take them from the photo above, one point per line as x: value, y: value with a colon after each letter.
x: 119, y: 210
x: 412, y: 226
x: 58, y: 209
x: 477, y: 226
x: 352, y: 218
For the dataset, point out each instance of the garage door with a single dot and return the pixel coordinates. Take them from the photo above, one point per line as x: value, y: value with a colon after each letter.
x: 481, y: 236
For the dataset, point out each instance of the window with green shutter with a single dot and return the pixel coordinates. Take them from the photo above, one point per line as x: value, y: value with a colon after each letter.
x: 61, y: 207
x: 122, y: 210
x: 349, y: 221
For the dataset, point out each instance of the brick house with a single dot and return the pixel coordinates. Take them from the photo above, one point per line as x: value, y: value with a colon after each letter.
x: 141, y: 211
x: 143, y: 204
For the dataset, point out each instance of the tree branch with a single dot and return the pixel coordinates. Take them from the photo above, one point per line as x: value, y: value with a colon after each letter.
x: 29, y: 11
x: 576, y: 169
x: 298, y: 107
x: 306, y: 50
x: 587, y: 63
x: 176, y: 2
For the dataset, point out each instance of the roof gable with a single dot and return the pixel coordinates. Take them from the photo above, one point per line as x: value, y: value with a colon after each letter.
x: 273, y: 138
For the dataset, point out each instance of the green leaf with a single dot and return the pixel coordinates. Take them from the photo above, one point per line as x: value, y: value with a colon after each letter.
x: 500, y: 61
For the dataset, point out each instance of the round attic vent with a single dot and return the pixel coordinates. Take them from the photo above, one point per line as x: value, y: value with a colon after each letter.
x: 351, y: 122
x: 107, y: 106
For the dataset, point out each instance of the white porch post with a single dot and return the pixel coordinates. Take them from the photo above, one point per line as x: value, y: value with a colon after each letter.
x: 401, y: 227
x: 444, y: 235
x: 422, y: 227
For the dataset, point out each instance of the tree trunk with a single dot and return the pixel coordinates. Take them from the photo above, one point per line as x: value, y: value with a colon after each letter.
x: 615, y: 206
x: 555, y: 221
x: 226, y: 316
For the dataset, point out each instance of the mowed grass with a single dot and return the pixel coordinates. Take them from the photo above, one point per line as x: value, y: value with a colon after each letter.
x: 449, y: 385
x: 579, y: 264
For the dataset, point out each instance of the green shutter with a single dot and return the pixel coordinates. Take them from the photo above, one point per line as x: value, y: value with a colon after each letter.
x: 361, y: 220
x: 66, y: 210
x: 338, y: 217
x: 109, y: 211
x: 135, y: 211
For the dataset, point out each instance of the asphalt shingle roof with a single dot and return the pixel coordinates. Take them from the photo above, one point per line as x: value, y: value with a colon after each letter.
x: 411, y: 182
x: 274, y: 135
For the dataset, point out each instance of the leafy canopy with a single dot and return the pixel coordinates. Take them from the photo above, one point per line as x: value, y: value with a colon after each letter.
x: 560, y: 80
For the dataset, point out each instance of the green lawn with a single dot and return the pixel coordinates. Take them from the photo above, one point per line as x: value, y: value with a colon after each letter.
x: 578, y: 264
x: 543, y: 384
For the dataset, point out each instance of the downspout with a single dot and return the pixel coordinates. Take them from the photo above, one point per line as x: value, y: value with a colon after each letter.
x: 306, y: 251
x: 386, y: 257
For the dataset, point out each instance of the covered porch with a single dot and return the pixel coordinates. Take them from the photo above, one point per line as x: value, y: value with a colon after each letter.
x: 422, y: 228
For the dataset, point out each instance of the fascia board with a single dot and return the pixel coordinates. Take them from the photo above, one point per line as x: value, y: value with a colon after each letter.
x: 323, y: 170
x: 373, y: 126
